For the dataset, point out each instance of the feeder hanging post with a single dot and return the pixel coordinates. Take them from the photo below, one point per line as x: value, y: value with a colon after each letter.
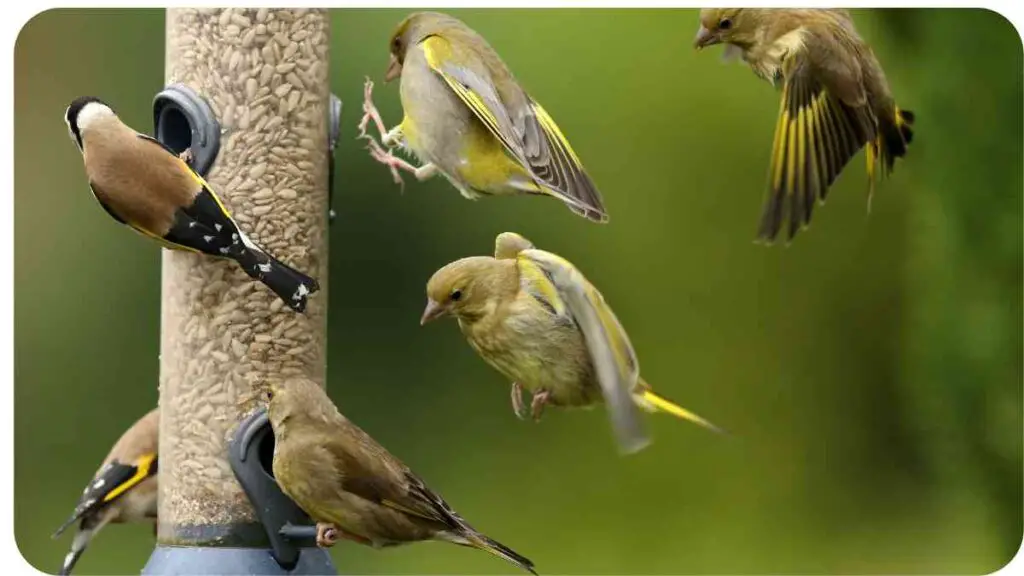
x: 263, y: 74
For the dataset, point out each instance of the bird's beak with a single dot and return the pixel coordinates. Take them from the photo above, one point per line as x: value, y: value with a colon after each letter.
x: 705, y: 38
x: 433, y: 311
x: 394, y: 69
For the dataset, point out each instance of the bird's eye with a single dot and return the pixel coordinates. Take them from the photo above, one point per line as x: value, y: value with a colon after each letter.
x: 269, y: 395
x: 725, y: 24
x: 456, y: 294
x: 396, y: 43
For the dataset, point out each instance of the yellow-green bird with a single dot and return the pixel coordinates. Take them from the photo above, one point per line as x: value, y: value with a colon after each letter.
x: 351, y: 486
x: 835, y: 101
x: 536, y: 319
x: 468, y: 118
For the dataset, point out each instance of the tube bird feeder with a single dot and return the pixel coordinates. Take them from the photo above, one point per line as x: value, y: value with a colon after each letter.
x: 262, y: 74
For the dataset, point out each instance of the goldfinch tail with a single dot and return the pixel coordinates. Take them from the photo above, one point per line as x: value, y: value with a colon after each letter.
x: 78, y: 547
x: 651, y: 402
x: 292, y: 286
x: 476, y: 540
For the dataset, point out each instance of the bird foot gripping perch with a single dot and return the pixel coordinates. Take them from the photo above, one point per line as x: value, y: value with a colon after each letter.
x: 292, y: 536
x: 184, y: 122
x: 326, y: 535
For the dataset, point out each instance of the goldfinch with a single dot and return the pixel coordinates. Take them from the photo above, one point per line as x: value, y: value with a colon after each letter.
x: 141, y: 183
x: 124, y: 489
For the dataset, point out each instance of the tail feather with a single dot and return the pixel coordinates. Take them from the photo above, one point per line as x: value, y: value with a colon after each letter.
x: 78, y: 546
x: 473, y: 539
x: 502, y: 551
x: 292, y: 286
x: 894, y: 137
x: 65, y: 525
x: 648, y: 400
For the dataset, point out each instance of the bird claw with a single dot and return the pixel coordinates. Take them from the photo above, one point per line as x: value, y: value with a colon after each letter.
x: 388, y: 158
x: 377, y: 148
x: 370, y: 112
x: 186, y: 156
x: 517, y: 401
x: 326, y: 534
x: 540, y: 398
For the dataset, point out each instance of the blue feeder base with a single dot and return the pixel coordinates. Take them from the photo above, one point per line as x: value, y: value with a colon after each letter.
x: 196, y: 561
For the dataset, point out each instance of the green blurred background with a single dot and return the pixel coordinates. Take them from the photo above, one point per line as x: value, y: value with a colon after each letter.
x: 870, y: 373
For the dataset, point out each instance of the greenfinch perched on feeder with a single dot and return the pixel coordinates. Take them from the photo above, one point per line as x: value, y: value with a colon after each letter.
x: 350, y: 485
x: 468, y: 118
x: 835, y: 101
x: 536, y: 319
x: 124, y: 489
x: 143, y: 184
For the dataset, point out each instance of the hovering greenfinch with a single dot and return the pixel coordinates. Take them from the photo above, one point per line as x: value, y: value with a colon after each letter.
x: 350, y: 485
x: 468, y: 118
x: 123, y: 490
x: 536, y: 319
x: 835, y: 101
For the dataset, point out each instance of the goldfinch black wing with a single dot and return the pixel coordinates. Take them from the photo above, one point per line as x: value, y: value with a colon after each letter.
x: 823, y: 122
x: 207, y: 208
x: 566, y: 292
x: 204, y: 226
x: 526, y: 131
x: 111, y: 482
x: 185, y: 232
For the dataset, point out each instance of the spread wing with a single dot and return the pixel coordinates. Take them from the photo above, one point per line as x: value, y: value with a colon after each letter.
x: 524, y: 128
x: 823, y: 122
x: 566, y: 291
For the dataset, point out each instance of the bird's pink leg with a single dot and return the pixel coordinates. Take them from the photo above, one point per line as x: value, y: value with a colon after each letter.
x: 370, y: 112
x: 387, y: 139
x: 388, y: 158
x: 517, y: 400
x: 326, y: 534
x: 540, y: 398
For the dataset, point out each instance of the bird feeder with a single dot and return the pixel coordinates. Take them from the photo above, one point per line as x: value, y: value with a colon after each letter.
x: 248, y: 95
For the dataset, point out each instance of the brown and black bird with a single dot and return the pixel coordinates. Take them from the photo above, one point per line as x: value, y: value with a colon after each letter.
x: 835, y: 101
x: 124, y: 489
x: 143, y: 184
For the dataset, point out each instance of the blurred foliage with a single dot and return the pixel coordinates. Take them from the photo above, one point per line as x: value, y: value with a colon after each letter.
x: 870, y: 373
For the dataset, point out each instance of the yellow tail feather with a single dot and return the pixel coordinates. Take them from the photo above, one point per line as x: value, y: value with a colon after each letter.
x: 651, y: 402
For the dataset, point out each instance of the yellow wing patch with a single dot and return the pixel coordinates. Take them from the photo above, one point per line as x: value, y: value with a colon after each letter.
x: 143, y: 469
x: 163, y: 241
x: 538, y: 279
x: 815, y: 137
x: 437, y: 50
x: 555, y: 134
